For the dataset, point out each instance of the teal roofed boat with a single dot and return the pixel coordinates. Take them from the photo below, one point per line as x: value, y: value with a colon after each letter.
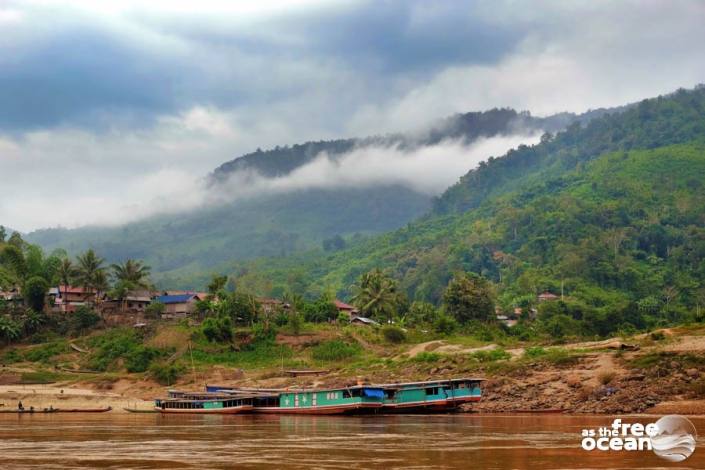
x: 343, y: 400
x: 203, y: 403
x: 431, y: 396
x: 407, y: 397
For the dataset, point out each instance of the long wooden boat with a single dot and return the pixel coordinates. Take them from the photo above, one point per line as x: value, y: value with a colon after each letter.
x: 344, y: 400
x: 58, y: 410
x: 430, y: 396
x: 203, y: 403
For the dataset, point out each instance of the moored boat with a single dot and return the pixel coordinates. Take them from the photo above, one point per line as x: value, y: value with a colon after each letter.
x: 407, y: 397
x: 344, y: 400
x: 430, y: 396
x: 58, y: 410
x: 203, y: 403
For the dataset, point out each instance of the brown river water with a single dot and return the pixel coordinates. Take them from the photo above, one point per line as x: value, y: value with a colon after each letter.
x: 475, y: 441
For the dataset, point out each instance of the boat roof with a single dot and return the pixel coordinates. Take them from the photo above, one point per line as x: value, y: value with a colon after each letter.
x: 285, y: 390
x: 207, y: 395
x: 187, y: 400
x: 431, y: 382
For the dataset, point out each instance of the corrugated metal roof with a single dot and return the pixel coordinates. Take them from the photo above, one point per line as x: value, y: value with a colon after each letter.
x: 174, y: 299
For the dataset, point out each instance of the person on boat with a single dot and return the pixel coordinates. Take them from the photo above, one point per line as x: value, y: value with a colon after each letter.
x: 20, y: 406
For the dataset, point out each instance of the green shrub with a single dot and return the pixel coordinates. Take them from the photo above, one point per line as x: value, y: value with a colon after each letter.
x: 335, y: 350
x: 393, y: 334
x: 166, y: 374
x: 45, y: 352
x: 12, y: 356
x: 560, y: 356
x: 154, y: 310
x: 117, y: 343
x: 533, y: 352
x: 425, y: 356
x: 281, y: 318
x: 445, y: 324
x: 491, y: 355
x: 263, y: 333
x: 39, y: 377
x: 139, y: 359
x: 263, y: 354
x: 84, y: 318
x: 295, y: 323
x: 218, y: 329
x: 559, y: 326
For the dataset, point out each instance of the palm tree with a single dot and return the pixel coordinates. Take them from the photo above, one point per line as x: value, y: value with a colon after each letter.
x: 376, y: 295
x: 66, y: 272
x: 132, y: 272
x: 91, y: 273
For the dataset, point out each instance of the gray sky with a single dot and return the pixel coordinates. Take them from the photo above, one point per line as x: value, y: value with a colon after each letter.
x: 112, y: 110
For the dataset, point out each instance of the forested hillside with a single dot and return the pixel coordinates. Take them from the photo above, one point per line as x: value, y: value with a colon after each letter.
x: 467, y: 126
x: 611, y: 214
x: 179, y: 246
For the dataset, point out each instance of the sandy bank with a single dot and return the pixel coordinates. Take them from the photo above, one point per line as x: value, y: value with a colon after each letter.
x: 60, y: 396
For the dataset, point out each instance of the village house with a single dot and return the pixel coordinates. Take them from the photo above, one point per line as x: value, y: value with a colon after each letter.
x: 179, y: 305
x: 134, y: 302
x: 67, y: 299
x: 272, y: 305
x: 351, y: 311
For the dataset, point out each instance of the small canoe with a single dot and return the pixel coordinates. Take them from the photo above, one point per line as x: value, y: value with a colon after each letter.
x: 85, y: 410
x: 58, y: 410
x: 28, y: 411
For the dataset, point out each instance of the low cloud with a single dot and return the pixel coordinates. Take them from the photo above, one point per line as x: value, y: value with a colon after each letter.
x: 104, y: 199
x: 428, y: 170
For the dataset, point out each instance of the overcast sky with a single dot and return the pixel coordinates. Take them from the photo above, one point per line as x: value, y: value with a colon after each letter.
x: 112, y: 108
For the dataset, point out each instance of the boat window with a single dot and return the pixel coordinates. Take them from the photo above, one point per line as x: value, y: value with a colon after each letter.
x: 432, y: 391
x: 346, y: 394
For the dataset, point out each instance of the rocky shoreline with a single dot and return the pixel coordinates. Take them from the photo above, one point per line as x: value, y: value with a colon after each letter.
x: 588, y: 387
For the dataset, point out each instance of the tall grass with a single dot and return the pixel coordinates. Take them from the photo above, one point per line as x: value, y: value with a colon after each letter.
x: 335, y: 350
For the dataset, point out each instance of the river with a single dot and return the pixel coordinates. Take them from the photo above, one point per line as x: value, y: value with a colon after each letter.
x: 148, y: 441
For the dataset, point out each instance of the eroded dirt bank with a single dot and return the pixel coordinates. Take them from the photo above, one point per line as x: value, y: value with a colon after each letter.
x: 639, y: 375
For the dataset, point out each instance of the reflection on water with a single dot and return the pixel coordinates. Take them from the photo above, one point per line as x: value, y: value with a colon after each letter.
x: 438, y: 441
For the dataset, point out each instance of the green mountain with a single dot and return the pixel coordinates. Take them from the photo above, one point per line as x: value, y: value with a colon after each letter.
x: 611, y: 213
x: 177, y: 247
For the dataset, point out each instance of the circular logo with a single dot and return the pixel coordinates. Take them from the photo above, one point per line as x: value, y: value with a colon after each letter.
x: 674, y: 439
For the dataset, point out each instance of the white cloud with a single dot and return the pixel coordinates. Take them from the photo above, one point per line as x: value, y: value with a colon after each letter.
x: 427, y: 169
